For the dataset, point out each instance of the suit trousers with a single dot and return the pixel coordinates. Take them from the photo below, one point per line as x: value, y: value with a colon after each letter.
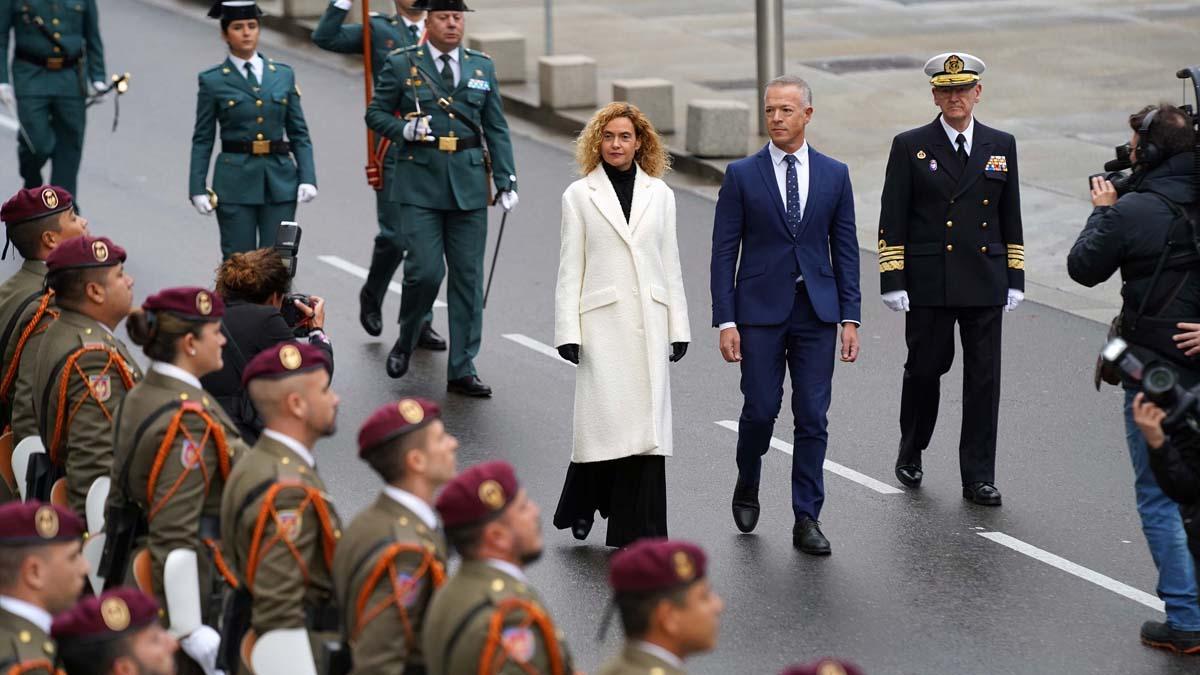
x: 55, y: 125
x: 245, y: 227
x: 929, y: 332
x: 803, y: 346
x: 438, y: 241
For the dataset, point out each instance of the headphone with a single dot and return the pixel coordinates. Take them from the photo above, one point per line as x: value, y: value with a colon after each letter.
x: 1148, y: 153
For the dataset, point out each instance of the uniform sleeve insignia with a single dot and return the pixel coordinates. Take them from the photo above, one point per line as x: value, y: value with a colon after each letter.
x: 408, y: 589
x: 518, y: 643
x: 101, y: 386
x: 289, y: 523
x: 45, y: 521
x: 189, y: 457
x: 921, y: 154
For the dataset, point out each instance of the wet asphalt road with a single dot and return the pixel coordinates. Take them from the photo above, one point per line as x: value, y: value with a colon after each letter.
x: 915, y: 584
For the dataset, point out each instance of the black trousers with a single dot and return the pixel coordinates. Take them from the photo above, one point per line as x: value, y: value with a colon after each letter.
x: 631, y: 492
x: 929, y: 332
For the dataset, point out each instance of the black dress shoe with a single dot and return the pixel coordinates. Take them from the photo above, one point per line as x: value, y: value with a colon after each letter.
x: 369, y: 315
x: 397, y: 361
x: 581, y: 528
x: 470, y: 385
x: 910, y: 475
x: 429, y: 339
x: 745, y: 506
x: 984, y: 494
x: 807, y: 536
x: 1163, y: 636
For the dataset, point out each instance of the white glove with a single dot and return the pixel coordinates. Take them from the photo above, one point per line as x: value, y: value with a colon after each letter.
x: 6, y: 96
x: 202, y: 204
x: 508, y: 200
x: 418, y: 129
x: 202, y: 645
x: 1014, y: 298
x: 306, y: 193
x: 897, y: 301
x: 99, y: 86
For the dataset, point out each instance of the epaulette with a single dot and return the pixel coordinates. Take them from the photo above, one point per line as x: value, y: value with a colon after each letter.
x: 219, y: 68
x: 277, y: 64
x: 475, y: 52
x: 89, y: 337
x: 400, y: 50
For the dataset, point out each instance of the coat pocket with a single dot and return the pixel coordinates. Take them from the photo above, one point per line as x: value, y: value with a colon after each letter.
x: 660, y: 295
x: 597, y: 299
x: 747, y: 271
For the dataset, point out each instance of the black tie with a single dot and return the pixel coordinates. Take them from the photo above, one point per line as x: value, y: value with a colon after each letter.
x: 447, y: 72
x: 250, y: 76
x: 412, y: 30
x: 962, y: 149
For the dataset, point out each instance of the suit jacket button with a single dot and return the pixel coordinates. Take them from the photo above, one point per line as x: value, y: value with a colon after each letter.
x: 983, y: 249
x: 986, y: 202
x: 949, y: 223
x: 949, y: 247
x: 984, y: 224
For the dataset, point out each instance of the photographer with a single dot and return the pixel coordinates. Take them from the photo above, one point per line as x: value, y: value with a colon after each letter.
x: 1143, y: 229
x: 254, y: 286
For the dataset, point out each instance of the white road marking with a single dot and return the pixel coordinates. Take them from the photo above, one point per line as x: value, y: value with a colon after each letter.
x: 830, y: 466
x: 361, y: 272
x: 9, y: 123
x: 526, y: 341
x: 1080, y: 571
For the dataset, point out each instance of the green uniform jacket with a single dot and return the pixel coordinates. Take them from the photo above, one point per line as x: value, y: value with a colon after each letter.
x: 272, y: 113
x: 633, y: 661
x: 24, y: 418
x: 88, y: 436
x: 381, y: 648
x: 149, y: 410
x: 281, y: 592
x: 22, y: 642
x: 462, y: 609
x: 77, y: 26
x: 428, y: 177
x: 387, y: 35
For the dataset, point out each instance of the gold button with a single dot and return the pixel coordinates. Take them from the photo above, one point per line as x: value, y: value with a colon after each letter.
x: 337, y: 534
x: 410, y: 156
x: 54, y: 21
x: 258, y: 103
x: 497, y: 585
x: 24, y: 636
x: 983, y: 249
x: 48, y: 647
x: 183, y: 397
x: 87, y: 331
x: 57, y: 35
x: 949, y: 247
x: 421, y: 529
x: 949, y: 223
x: 986, y: 202
x: 232, y: 103
x: 451, y: 115
x: 285, y: 460
x: 657, y: 671
x: 302, y: 470
x: 983, y: 224
x: 57, y: 50
x: 403, y: 521
x: 260, y: 137
x: 204, y: 400
x: 259, y: 120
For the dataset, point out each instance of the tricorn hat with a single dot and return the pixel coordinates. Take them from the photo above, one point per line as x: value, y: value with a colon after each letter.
x: 442, y: 6
x: 234, y: 10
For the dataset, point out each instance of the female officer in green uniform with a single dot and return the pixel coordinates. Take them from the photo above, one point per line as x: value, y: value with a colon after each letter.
x: 256, y: 182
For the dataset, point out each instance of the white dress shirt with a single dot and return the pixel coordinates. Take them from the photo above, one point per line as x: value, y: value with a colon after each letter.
x: 419, y: 24
x: 658, y: 652
x: 508, y: 568
x: 455, y: 66
x: 413, y: 503
x: 293, y: 444
x: 256, y: 65
x: 175, y: 372
x: 953, y: 133
x: 31, y: 613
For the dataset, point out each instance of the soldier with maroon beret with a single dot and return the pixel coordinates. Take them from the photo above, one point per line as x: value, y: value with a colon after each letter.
x: 116, y: 633
x: 393, y: 555
x: 488, y: 619
x: 668, y: 609
x: 41, y: 574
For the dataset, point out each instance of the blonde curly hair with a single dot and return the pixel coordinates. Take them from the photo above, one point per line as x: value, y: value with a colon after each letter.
x: 652, y: 157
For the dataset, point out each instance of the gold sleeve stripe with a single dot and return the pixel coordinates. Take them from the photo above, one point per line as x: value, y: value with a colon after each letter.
x: 891, y: 266
x: 1016, y: 264
x: 891, y: 257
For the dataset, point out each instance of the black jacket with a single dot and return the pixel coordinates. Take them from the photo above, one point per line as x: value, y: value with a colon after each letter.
x: 1178, y: 474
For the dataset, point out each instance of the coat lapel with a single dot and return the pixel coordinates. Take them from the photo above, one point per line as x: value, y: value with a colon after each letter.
x: 766, y: 167
x: 605, y: 198
x: 816, y: 185
x: 981, y: 151
x: 237, y: 78
x: 641, y: 199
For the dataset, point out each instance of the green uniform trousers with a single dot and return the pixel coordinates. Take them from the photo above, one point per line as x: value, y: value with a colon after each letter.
x: 388, y: 252
x: 55, y: 124
x: 245, y: 227
x: 439, y: 241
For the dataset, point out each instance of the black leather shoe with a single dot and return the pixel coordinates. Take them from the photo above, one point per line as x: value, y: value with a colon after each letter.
x: 1162, y: 636
x: 581, y: 528
x: 369, y: 315
x: 745, y: 506
x: 984, y: 494
x: 807, y: 536
x: 910, y: 475
x: 469, y: 386
x: 429, y: 339
x: 397, y: 361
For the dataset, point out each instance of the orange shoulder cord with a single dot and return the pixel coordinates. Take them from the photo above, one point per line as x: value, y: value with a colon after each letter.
x: 33, y: 667
x: 495, y: 652
x: 72, y: 366
x: 386, y: 565
x: 313, y: 498
x: 10, y: 373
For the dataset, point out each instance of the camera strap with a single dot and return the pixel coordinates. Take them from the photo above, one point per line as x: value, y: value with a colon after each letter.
x: 1153, y: 297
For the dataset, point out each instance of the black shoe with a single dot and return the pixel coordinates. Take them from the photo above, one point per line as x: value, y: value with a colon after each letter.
x: 581, y: 528
x: 430, y: 340
x: 984, y: 494
x: 745, y: 506
x: 910, y: 475
x: 470, y: 385
x: 1162, y: 636
x: 397, y: 361
x: 807, y: 536
x: 369, y: 315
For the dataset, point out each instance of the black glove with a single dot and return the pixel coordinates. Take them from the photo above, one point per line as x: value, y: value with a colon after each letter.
x: 569, y: 352
x: 678, y: 349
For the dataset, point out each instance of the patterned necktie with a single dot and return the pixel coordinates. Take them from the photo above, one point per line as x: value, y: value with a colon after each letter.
x: 447, y: 72
x: 250, y: 76
x: 793, y: 195
x: 962, y: 149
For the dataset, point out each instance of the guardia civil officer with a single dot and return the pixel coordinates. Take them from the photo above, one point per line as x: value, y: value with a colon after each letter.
x: 393, y: 556
x: 488, y: 619
x: 951, y: 252
x: 388, y: 33
x: 116, y: 633
x: 82, y: 371
x: 58, y: 54
x: 440, y: 103
x: 278, y: 526
x: 265, y: 164
x: 42, y: 570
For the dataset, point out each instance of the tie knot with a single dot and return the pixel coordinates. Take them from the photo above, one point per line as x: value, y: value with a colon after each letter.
x: 445, y: 58
x: 790, y: 159
x: 961, y: 140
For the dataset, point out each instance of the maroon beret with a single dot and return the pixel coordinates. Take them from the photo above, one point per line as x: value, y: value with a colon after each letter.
x: 33, y: 203
x: 187, y: 302
x: 85, y: 251
x: 393, y: 420
x: 109, y: 616
x: 477, y: 494
x: 33, y: 522
x: 650, y: 565
x: 824, y: 667
x: 284, y: 360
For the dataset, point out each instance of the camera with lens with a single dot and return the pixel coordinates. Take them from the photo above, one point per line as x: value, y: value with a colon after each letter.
x: 287, y: 245
x: 1115, y: 170
x: 1159, y: 381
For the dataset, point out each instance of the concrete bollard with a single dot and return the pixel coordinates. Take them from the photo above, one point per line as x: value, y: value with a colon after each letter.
x: 717, y: 128
x: 653, y: 96
x: 567, y: 81
x: 507, y: 51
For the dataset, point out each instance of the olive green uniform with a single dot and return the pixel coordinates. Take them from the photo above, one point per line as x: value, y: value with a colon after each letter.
x: 23, y: 418
x: 380, y: 646
x: 15, y: 294
x: 634, y: 661
x: 22, y: 642
x: 456, y: 627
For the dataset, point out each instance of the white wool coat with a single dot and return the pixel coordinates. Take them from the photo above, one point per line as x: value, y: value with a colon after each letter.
x: 620, y: 297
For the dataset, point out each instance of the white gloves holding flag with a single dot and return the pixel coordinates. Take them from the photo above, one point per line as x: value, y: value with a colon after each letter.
x: 418, y: 128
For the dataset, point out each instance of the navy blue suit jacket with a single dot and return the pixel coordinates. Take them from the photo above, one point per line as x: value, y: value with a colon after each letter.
x: 750, y: 217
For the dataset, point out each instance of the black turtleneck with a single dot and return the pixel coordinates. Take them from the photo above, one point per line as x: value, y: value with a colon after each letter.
x: 622, y: 182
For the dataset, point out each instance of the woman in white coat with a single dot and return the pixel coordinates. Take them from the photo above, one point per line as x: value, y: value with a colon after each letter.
x: 620, y: 315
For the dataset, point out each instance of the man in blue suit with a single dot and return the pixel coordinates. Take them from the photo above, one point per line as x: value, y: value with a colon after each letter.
x: 789, y: 210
